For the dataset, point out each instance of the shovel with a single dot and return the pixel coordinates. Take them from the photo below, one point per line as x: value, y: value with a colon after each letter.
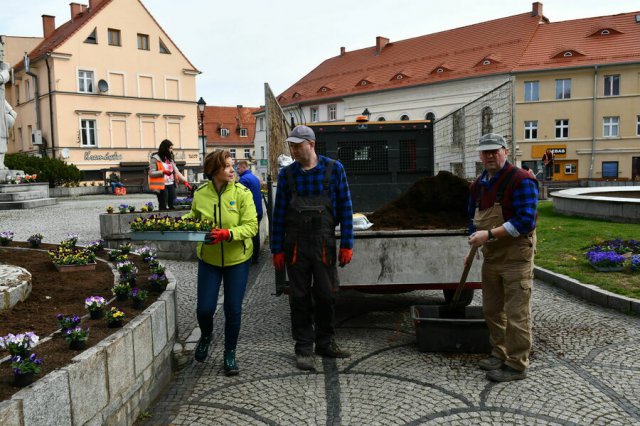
x: 454, y: 309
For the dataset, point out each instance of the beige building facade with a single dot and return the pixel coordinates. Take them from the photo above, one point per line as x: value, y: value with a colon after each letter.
x: 104, y: 89
x: 589, y: 117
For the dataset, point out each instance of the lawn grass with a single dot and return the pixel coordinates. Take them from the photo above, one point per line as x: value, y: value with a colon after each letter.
x: 562, y: 242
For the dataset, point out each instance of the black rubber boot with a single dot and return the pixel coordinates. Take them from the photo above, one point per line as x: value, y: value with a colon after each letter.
x: 230, y: 366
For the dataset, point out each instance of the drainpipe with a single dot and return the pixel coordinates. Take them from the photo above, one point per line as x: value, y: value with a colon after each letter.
x: 52, y: 134
x: 593, y: 122
x: 36, y: 100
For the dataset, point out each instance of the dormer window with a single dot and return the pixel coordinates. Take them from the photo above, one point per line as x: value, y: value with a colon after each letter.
x: 605, y: 32
x: 296, y: 95
x: 281, y: 98
x: 92, y: 38
x: 399, y: 76
x: 486, y: 62
x: 244, y: 133
x: 440, y: 70
x: 567, y: 54
x: 323, y: 89
x: 364, y: 82
x: 224, y: 131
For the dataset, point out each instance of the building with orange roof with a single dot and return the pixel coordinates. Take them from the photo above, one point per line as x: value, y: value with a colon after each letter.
x: 231, y: 128
x: 544, y: 72
x: 103, y: 89
x: 577, y: 92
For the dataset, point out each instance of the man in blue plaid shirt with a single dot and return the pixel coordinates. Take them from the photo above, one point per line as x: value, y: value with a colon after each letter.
x: 312, y: 197
x: 503, y: 202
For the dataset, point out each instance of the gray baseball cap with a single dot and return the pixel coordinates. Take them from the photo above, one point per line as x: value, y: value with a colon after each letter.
x: 301, y: 134
x: 491, y: 141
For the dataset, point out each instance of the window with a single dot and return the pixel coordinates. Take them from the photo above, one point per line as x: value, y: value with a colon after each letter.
x: 382, y: 119
x: 487, y: 116
x: 262, y: 152
x: 458, y: 129
x: 247, y: 153
x: 114, y: 37
x: 27, y: 89
x: 611, y: 85
x: 570, y: 169
x: 531, y: 91
x: 563, y: 88
x: 404, y: 117
x: 91, y: 38
x: 457, y: 169
x: 610, y: 169
x: 332, y: 111
x: 88, y: 132
x: 562, y: 129
x: 611, y: 127
x: 261, y: 123
x: 224, y: 132
x: 143, y: 42
x: 232, y: 151
x: 163, y: 48
x: 430, y: 116
x: 314, y: 114
x: 244, y: 133
x: 18, y: 95
x: 638, y: 126
x: 85, y: 81
x: 531, y: 130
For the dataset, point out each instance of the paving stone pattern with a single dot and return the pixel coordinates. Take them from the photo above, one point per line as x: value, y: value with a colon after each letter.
x: 584, y: 369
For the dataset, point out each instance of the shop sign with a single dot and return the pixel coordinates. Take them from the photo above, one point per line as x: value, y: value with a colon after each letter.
x: 102, y: 157
x: 560, y: 151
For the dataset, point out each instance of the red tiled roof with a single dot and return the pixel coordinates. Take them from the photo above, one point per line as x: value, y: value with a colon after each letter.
x: 582, y: 37
x: 462, y: 50
x: 69, y: 28
x: 233, y: 119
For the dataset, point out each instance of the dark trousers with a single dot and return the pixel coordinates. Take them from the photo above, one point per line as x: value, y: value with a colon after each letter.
x: 115, y: 185
x: 311, y: 296
x: 166, y: 197
x: 256, y: 243
x: 234, y: 279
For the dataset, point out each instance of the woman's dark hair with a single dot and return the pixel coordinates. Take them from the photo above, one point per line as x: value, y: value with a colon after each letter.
x: 215, y: 161
x: 163, y: 150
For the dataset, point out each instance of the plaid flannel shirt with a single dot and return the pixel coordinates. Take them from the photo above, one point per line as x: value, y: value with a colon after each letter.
x: 309, y: 183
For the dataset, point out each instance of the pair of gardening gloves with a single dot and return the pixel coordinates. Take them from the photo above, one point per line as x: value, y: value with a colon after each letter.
x: 344, y: 257
x: 217, y: 236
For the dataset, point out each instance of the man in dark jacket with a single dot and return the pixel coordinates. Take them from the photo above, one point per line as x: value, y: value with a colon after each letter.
x: 252, y: 182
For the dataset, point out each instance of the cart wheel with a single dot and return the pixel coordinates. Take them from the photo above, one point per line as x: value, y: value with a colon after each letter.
x: 465, y: 297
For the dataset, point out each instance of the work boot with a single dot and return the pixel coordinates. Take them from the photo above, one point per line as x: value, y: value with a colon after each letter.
x: 332, y: 350
x: 230, y: 366
x: 202, y: 348
x: 491, y: 363
x: 305, y: 362
x: 506, y: 374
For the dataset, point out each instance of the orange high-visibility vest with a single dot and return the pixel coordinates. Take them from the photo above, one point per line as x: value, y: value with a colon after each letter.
x: 157, y: 183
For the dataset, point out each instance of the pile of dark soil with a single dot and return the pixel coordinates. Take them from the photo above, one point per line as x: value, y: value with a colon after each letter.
x: 438, y: 202
x: 55, y: 292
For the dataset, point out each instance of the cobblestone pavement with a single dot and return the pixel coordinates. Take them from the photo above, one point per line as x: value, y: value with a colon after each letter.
x: 584, y: 369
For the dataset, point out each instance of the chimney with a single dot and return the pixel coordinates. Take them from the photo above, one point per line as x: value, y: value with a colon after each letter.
x: 94, y: 3
x: 536, y: 9
x: 48, y: 25
x: 381, y: 42
x: 77, y: 9
x: 342, y: 50
x: 238, y: 106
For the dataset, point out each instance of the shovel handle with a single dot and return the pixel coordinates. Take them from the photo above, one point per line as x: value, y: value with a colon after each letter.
x: 465, y: 274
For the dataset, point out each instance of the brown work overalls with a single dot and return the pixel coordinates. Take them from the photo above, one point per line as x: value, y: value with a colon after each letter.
x: 507, y: 278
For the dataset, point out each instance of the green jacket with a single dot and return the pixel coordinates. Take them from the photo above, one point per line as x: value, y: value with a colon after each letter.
x: 232, y: 209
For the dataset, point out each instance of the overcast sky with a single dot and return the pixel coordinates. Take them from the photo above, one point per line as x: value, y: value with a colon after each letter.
x: 240, y: 45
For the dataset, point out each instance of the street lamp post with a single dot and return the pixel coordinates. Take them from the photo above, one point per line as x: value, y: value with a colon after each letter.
x: 201, y: 106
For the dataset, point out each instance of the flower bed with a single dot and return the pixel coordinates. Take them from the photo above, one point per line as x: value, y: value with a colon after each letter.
x: 614, y: 256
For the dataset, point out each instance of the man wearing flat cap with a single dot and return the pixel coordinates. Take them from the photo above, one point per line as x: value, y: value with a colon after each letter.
x: 503, y: 202
x: 312, y: 198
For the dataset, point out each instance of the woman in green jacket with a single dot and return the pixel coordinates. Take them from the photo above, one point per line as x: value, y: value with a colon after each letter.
x: 225, y: 256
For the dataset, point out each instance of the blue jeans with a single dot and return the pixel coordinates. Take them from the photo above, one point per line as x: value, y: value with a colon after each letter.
x: 234, y: 279
x: 115, y: 185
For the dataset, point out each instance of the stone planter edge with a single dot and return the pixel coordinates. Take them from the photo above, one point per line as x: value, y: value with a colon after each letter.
x: 116, y: 398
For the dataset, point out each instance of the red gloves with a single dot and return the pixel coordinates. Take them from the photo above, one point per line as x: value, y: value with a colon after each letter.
x: 167, y: 172
x: 278, y: 261
x: 217, y: 236
x: 345, y: 256
x: 187, y: 185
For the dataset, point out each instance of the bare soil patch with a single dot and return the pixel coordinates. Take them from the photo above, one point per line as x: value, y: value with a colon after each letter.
x: 56, y: 292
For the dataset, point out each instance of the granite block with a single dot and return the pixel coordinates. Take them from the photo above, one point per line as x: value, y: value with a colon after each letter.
x: 47, y: 401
